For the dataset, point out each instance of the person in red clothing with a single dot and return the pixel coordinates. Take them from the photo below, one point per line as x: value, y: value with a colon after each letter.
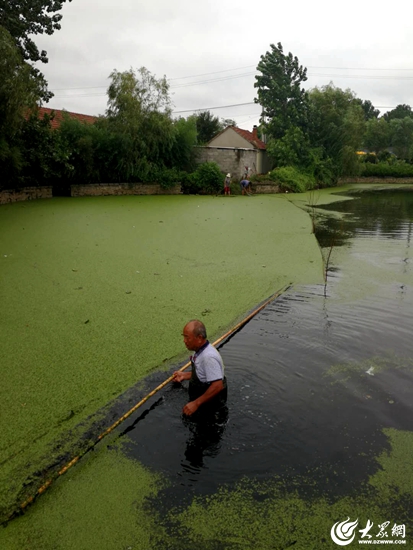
x: 227, y: 184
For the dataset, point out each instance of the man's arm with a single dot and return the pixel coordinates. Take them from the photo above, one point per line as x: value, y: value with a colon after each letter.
x: 214, y: 388
x: 180, y: 376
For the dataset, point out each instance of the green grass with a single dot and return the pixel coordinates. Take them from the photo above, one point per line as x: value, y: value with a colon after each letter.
x: 95, y: 292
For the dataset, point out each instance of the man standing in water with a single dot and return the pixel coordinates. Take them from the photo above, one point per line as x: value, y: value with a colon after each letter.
x: 207, y: 382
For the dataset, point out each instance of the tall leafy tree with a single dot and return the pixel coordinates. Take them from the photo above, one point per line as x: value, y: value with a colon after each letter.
x: 377, y: 135
x: 25, y: 18
x: 337, y: 125
x: 400, y: 111
x: 279, y: 88
x: 136, y: 93
x: 17, y: 92
x: 207, y: 126
x: 139, y: 108
x: 369, y: 110
x: 225, y: 122
x: 293, y: 149
x: 182, y: 154
x: 401, y: 130
x: 337, y: 119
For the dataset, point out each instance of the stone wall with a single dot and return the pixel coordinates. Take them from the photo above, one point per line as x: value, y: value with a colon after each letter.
x: 369, y: 179
x: 25, y: 194
x: 98, y: 189
x: 228, y: 159
x: 265, y: 187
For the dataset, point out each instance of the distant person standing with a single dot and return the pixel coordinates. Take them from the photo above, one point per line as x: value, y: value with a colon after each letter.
x: 227, y: 184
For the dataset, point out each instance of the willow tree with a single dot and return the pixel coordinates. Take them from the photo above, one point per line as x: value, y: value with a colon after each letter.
x: 140, y: 108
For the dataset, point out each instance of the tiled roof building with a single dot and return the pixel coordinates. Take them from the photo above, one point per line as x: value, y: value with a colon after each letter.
x: 57, y: 115
x: 252, y: 137
x: 237, y: 152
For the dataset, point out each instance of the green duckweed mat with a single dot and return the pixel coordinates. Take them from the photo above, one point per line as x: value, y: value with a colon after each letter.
x: 95, y: 292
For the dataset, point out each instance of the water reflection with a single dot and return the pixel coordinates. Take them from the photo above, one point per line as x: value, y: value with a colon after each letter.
x: 205, y: 432
x: 386, y: 214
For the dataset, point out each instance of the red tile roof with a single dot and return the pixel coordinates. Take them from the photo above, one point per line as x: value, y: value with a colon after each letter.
x: 58, y: 116
x: 252, y: 137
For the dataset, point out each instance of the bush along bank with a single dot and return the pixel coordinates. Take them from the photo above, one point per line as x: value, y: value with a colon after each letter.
x: 397, y: 169
x: 291, y: 179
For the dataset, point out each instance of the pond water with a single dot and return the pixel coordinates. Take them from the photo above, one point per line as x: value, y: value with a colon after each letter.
x: 313, y: 379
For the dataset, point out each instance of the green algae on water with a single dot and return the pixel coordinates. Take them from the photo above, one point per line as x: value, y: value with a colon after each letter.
x: 271, y: 515
x: 95, y: 292
x: 101, y: 504
x: 105, y: 503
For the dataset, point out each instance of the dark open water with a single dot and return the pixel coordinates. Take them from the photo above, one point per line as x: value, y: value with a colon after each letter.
x: 287, y: 413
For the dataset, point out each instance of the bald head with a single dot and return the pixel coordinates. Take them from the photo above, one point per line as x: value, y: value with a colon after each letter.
x: 197, y: 327
x: 194, y: 334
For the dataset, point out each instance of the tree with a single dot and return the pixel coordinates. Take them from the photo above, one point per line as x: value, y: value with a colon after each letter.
x: 284, y: 102
x: 401, y: 130
x: 377, y: 135
x: 185, y: 138
x: 17, y: 91
x: 400, y: 111
x: 207, y: 126
x: 17, y: 94
x: 370, y: 112
x: 139, y: 108
x: 291, y: 150
x: 225, y: 122
x: 137, y: 93
x: 25, y: 18
x: 337, y: 124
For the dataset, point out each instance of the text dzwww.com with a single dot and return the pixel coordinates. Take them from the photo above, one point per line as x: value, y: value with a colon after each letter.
x: 379, y: 541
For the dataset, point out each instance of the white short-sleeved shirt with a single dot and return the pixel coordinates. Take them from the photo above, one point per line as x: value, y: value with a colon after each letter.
x: 208, y: 364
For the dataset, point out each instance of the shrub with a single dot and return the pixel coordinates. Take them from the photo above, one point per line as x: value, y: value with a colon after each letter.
x: 386, y: 156
x: 324, y: 171
x: 291, y: 179
x: 167, y: 177
x: 399, y: 169
x: 371, y: 157
x: 207, y: 179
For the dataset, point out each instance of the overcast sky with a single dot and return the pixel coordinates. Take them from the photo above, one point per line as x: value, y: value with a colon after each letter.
x: 209, y: 50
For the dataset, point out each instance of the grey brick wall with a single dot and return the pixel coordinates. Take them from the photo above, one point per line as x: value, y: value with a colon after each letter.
x: 229, y: 160
x: 25, y: 194
x: 98, y: 189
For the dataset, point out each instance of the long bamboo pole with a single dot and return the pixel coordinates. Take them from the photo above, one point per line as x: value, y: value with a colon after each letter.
x: 142, y: 401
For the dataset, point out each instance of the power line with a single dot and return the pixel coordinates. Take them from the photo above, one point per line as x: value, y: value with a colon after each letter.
x: 252, y: 73
x: 211, y: 80
x: 215, y: 72
x: 210, y: 108
x: 359, y: 69
x: 364, y: 77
